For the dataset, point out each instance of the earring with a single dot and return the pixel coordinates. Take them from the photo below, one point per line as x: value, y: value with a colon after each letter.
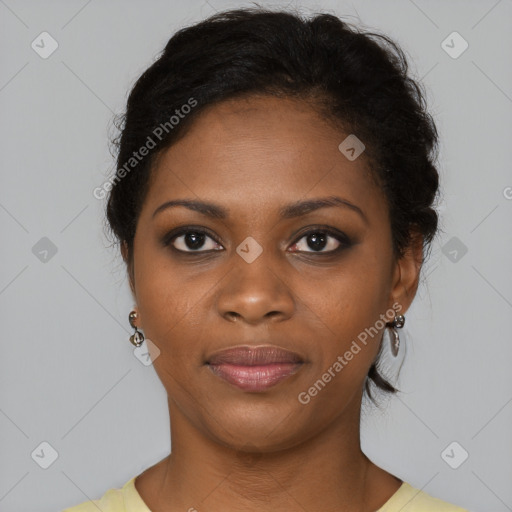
x: 137, y: 338
x: 397, y: 323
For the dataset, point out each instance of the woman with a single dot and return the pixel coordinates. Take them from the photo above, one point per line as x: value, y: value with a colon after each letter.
x: 273, y: 203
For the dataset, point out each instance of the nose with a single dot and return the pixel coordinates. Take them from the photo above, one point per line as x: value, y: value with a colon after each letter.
x: 253, y: 293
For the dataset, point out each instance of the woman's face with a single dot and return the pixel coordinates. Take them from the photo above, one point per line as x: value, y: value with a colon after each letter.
x: 323, y: 275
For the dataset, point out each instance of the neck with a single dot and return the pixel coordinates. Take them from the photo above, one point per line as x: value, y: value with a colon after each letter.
x: 325, y: 471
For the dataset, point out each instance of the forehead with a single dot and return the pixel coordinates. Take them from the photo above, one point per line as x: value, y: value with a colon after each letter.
x: 257, y: 151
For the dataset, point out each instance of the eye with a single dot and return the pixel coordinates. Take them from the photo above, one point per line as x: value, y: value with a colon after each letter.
x: 322, y: 238
x: 191, y: 240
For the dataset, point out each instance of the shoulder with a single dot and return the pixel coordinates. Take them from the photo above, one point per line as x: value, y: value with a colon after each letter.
x: 111, y: 501
x: 409, y: 499
x: 124, y: 499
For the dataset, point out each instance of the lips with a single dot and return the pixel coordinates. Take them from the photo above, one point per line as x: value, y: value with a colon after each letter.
x: 254, y: 368
x: 253, y: 356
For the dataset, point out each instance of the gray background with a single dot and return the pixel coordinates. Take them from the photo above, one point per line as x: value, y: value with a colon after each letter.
x: 68, y: 373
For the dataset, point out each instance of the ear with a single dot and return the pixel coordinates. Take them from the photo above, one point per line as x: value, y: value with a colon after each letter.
x: 129, y: 265
x: 407, y: 272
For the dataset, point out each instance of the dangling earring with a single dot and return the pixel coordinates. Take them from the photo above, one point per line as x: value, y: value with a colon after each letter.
x: 397, y: 323
x: 137, y: 338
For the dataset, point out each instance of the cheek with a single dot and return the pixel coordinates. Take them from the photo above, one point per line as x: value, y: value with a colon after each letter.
x: 346, y: 309
x: 350, y: 296
x: 172, y: 310
x: 158, y: 294
x: 346, y: 312
x: 162, y: 293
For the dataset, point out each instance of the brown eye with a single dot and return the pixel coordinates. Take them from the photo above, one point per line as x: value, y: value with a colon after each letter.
x: 321, y: 241
x: 192, y: 240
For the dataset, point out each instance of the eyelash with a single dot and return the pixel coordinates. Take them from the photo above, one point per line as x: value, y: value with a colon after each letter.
x: 341, y: 237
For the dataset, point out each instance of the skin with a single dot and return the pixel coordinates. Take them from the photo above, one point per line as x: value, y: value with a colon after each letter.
x: 265, y: 451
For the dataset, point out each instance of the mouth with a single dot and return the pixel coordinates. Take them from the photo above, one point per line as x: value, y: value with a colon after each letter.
x: 254, y: 369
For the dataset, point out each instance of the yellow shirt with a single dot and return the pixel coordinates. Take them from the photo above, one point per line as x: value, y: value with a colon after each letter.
x: 127, y: 499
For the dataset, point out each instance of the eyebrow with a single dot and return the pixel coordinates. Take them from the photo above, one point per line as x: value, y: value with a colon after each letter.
x: 289, y: 211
